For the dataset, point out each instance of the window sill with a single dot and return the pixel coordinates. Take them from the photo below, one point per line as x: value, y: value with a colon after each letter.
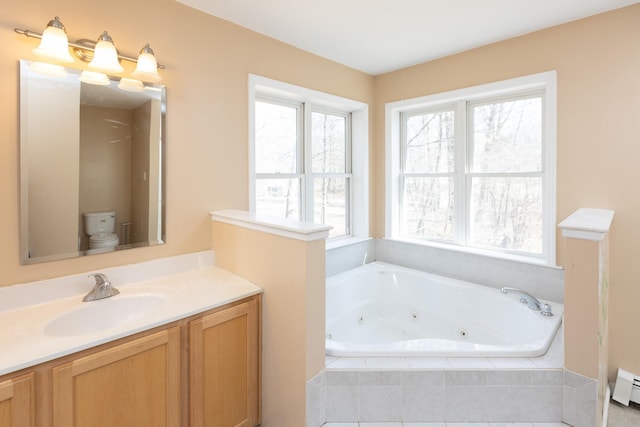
x: 345, y: 241
x: 475, y: 251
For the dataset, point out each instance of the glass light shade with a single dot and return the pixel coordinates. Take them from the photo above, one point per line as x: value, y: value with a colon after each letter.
x: 147, y: 67
x: 105, y: 56
x: 50, y: 70
x: 131, y: 85
x: 93, y: 78
x: 54, y: 45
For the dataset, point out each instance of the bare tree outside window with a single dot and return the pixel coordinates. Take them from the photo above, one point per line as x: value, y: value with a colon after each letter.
x: 329, y: 164
x: 506, y: 188
x: 500, y: 176
x: 276, y: 129
x: 429, y: 166
x: 276, y: 155
x: 293, y: 174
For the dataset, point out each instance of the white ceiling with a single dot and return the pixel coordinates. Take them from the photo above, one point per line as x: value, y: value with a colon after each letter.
x: 377, y: 36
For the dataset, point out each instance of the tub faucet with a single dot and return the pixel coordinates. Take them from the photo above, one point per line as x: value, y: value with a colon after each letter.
x: 532, y: 302
x: 102, y: 288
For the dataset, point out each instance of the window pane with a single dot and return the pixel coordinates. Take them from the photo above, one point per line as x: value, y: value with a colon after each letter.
x: 278, y: 197
x: 507, y: 136
x: 328, y: 143
x: 276, y: 138
x: 507, y: 213
x: 429, y: 143
x: 330, y: 203
x: 427, y: 207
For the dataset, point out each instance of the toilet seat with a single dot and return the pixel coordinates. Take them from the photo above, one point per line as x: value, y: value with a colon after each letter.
x: 103, y: 237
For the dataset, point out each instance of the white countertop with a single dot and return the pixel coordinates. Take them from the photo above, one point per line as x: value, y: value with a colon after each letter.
x: 24, y: 341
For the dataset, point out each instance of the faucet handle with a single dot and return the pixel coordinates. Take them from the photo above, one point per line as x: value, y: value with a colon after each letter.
x: 545, y: 310
x: 100, y: 278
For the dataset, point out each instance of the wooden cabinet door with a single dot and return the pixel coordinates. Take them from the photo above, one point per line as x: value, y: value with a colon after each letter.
x: 135, y: 384
x: 17, y: 402
x: 224, y: 368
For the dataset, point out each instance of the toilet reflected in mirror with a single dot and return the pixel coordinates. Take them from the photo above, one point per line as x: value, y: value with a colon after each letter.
x: 100, y: 227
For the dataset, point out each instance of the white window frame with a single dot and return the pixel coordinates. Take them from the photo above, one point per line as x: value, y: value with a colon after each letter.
x: 545, y: 82
x: 262, y: 88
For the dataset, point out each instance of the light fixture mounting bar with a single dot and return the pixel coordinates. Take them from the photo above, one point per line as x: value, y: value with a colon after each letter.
x: 29, y: 33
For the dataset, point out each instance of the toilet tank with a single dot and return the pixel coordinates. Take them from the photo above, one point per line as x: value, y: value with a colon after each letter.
x: 99, y: 222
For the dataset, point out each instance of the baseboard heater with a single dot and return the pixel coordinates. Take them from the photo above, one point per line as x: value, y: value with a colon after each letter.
x: 627, y: 388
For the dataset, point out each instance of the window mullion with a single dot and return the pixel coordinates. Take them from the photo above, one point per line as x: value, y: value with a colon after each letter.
x: 307, y: 150
x: 462, y: 185
x: 279, y: 175
x: 402, y: 229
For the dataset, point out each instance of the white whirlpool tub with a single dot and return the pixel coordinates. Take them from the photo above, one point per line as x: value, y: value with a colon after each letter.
x: 381, y: 309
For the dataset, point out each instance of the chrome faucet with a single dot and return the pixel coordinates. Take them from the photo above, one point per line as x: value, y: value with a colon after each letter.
x: 102, y: 288
x: 532, y: 302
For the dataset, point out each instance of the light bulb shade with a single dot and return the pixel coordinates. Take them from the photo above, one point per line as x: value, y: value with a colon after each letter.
x: 54, y: 44
x: 131, y: 85
x: 105, y: 56
x: 51, y: 70
x: 147, y: 67
x: 93, y: 78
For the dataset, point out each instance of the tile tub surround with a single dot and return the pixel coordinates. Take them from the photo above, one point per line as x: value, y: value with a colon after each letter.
x: 580, y: 400
x: 541, y: 281
x: 439, y: 390
x: 454, y: 395
x: 349, y: 254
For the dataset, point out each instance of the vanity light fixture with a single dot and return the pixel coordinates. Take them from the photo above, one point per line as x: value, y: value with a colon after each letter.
x: 147, y: 67
x: 105, y: 56
x: 54, y: 45
x: 101, y: 56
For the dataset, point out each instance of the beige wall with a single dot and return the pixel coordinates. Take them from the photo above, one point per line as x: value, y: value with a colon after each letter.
x: 598, y: 69
x: 291, y: 272
x: 207, y: 61
x: 581, y: 327
x: 586, y: 342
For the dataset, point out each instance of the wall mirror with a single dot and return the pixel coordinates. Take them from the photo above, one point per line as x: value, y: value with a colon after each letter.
x: 92, y: 161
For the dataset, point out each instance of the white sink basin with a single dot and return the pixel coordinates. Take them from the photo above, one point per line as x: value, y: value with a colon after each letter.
x: 104, y: 314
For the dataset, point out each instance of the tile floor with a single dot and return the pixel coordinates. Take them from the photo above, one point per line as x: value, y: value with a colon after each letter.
x: 623, y: 416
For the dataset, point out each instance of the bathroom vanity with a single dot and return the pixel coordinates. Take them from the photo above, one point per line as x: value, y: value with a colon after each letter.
x: 200, y: 366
